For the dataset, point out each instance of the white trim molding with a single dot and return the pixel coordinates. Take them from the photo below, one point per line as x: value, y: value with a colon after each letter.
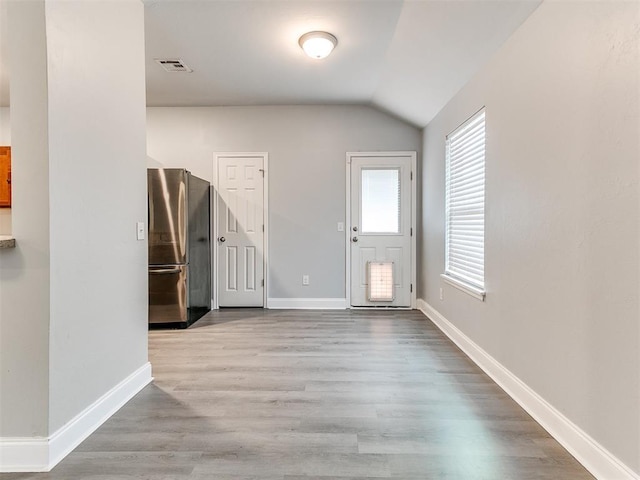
x: 308, y: 303
x: 41, y: 454
x: 24, y: 454
x: 594, y: 457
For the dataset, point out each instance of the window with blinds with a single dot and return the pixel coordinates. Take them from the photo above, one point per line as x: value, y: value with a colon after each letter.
x: 464, y: 257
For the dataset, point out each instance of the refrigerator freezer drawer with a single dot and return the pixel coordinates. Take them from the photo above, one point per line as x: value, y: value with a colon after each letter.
x: 168, y: 294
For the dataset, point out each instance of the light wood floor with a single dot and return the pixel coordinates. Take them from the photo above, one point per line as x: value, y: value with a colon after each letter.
x: 292, y: 395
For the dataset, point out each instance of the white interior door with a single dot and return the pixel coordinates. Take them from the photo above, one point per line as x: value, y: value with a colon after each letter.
x: 382, y: 247
x: 240, y: 232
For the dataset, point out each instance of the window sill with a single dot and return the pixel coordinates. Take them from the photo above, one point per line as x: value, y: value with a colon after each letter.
x: 475, y: 292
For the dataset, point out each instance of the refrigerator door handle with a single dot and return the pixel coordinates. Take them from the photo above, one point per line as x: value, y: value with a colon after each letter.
x: 163, y: 270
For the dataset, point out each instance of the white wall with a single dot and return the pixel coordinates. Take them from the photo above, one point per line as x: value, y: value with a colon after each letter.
x: 5, y: 139
x: 5, y: 221
x: 73, y: 310
x: 24, y: 270
x: 5, y: 126
x: 562, y: 101
x: 307, y: 147
x: 98, y: 192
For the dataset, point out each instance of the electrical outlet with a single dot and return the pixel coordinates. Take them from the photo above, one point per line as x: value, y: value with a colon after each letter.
x: 305, y: 279
x: 441, y: 293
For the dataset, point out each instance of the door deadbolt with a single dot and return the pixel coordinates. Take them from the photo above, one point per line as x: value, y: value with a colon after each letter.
x: 355, y: 229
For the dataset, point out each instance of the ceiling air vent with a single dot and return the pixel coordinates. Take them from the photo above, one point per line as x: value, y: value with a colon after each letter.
x: 173, y: 65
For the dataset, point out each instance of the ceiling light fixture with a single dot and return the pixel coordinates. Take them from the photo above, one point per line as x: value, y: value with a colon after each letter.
x: 318, y: 44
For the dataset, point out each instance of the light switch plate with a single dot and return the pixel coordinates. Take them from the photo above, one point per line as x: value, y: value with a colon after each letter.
x: 140, y: 230
x: 340, y: 226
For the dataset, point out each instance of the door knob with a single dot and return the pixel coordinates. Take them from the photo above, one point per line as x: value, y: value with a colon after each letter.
x: 222, y: 239
x: 355, y: 229
x: 354, y: 239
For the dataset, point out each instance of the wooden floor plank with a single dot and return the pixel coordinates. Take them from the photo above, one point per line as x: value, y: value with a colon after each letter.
x: 251, y: 394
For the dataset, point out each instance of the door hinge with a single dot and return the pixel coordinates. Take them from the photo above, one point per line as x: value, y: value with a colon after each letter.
x: 411, y: 232
x: 262, y: 228
x: 261, y: 170
x: 262, y: 283
x: 411, y: 175
x: 411, y: 288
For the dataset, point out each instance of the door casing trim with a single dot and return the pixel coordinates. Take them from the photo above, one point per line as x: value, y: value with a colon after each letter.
x: 215, y: 303
x: 347, y: 238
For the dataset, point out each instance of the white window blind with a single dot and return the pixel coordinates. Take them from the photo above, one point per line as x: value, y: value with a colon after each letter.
x: 464, y: 257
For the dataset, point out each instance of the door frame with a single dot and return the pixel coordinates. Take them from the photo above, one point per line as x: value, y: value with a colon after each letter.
x: 412, y: 156
x: 215, y: 198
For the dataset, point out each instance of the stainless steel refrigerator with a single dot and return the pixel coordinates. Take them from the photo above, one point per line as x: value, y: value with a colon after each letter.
x: 179, y: 247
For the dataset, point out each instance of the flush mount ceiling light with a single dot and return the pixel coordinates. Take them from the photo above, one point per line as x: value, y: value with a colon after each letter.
x: 317, y: 44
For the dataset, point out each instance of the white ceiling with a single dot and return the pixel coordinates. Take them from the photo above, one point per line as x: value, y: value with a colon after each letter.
x: 247, y: 52
x: 405, y: 57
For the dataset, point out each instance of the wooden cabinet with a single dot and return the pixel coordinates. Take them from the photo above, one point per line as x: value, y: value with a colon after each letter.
x: 5, y: 177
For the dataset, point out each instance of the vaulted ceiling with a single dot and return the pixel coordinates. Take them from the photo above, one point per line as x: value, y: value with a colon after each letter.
x: 404, y: 57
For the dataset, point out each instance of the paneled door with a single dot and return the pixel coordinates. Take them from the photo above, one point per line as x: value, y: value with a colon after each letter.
x: 382, y: 218
x: 240, y: 229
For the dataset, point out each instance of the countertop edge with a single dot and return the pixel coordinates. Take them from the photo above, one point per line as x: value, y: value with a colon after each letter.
x: 7, y: 241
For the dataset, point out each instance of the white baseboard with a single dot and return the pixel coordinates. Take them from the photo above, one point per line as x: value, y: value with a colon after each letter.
x: 600, y: 462
x: 41, y: 454
x: 308, y: 303
x: 28, y: 454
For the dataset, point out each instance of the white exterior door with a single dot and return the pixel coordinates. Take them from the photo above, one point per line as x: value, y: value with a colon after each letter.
x: 240, y: 230
x: 382, y: 216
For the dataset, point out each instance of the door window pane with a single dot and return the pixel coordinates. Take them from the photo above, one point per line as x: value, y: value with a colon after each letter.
x: 380, y: 200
